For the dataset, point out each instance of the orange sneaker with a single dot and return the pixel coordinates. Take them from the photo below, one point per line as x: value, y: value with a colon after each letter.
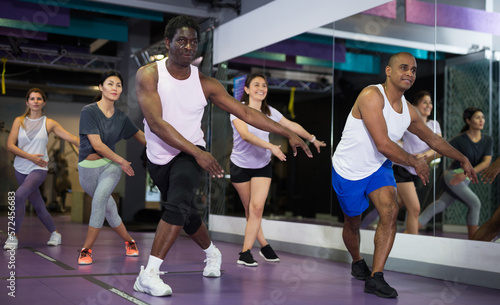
x: 131, y: 248
x: 85, y: 257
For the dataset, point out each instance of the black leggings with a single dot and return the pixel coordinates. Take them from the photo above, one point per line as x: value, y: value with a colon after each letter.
x: 177, y: 182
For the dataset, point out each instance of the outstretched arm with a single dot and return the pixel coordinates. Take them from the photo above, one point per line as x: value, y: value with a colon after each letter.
x: 218, y: 95
x: 299, y: 130
x: 431, y: 154
x: 249, y: 137
x: 150, y: 103
x: 459, y: 177
x: 437, y: 143
x: 53, y: 126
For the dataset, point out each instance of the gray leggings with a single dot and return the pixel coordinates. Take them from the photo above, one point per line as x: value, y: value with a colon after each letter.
x: 99, y: 183
x: 460, y: 192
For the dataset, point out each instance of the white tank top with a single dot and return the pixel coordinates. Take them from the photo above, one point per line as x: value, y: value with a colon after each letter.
x: 356, y: 156
x: 183, y: 104
x: 35, y: 145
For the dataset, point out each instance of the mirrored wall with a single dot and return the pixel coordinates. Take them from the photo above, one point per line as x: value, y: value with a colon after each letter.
x: 315, y: 77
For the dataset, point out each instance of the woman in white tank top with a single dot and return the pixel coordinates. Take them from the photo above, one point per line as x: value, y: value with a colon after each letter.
x: 28, y: 140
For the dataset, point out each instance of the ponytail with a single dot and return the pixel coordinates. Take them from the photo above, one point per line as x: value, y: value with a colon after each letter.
x: 468, y: 113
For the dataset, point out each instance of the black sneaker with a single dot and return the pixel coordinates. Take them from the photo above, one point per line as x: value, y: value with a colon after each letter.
x: 246, y: 259
x: 360, y: 270
x: 268, y: 254
x: 378, y: 286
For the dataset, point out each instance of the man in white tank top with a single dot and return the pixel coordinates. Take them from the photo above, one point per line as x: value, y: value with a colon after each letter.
x: 362, y: 167
x: 172, y: 96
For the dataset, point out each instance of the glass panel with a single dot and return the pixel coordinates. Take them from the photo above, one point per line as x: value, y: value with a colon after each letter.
x: 299, y: 87
x: 471, y: 80
x: 369, y: 40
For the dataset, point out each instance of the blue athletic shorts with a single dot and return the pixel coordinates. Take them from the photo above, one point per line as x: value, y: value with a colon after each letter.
x: 353, y: 195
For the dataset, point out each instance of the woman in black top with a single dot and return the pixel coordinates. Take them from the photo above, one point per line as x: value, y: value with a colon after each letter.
x: 477, y: 147
x: 102, y: 125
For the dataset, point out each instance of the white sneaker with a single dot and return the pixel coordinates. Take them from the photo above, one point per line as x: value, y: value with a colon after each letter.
x: 150, y: 282
x: 55, y: 239
x: 213, y: 260
x: 11, y: 243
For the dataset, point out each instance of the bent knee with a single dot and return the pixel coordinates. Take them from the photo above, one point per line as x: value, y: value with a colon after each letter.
x: 413, y: 210
x: 389, y: 211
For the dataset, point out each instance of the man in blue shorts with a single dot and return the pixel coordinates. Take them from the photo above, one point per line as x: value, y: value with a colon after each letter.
x: 362, y: 167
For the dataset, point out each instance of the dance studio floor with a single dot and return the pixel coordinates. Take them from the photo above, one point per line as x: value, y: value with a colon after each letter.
x: 51, y: 275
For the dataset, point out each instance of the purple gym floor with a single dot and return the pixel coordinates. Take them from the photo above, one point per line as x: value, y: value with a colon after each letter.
x: 51, y: 275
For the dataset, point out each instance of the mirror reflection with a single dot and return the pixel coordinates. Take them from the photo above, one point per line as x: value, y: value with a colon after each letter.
x: 303, y: 83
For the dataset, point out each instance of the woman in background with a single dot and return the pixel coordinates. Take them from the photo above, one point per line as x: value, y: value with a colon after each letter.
x: 406, y: 177
x: 477, y: 147
x: 102, y: 125
x: 28, y: 141
x: 250, y: 165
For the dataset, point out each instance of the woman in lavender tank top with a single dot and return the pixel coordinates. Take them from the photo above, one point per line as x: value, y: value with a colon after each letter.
x: 250, y: 168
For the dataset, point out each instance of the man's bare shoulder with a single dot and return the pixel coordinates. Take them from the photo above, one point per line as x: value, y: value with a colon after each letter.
x: 149, y: 70
x: 207, y: 80
x: 370, y: 95
x: 210, y: 85
x: 371, y: 92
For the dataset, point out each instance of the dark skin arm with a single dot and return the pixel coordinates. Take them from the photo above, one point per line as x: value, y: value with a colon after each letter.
x: 218, y: 95
x: 437, y: 143
x: 150, y: 103
x: 369, y: 107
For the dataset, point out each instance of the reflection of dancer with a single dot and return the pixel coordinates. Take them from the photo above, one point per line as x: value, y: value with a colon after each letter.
x: 173, y: 94
x: 251, y: 168
x: 406, y: 177
x: 361, y: 168
x: 477, y: 147
x: 490, y: 228
x: 31, y: 133
x: 102, y: 125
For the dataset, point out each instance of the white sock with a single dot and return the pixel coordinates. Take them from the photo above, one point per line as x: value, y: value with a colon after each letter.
x: 154, y: 262
x: 210, y: 248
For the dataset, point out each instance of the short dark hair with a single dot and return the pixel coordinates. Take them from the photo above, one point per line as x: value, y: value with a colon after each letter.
x: 178, y: 23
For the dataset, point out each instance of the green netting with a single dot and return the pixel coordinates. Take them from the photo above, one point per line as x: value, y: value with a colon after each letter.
x: 470, y: 84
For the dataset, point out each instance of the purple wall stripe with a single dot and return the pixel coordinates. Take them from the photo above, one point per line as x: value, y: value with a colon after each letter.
x: 387, y: 10
x: 309, y: 49
x: 19, y: 33
x: 40, y: 13
x: 420, y: 12
x: 453, y: 17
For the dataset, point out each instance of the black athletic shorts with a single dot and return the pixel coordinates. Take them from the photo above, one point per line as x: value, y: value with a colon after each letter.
x: 401, y: 174
x: 239, y: 174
